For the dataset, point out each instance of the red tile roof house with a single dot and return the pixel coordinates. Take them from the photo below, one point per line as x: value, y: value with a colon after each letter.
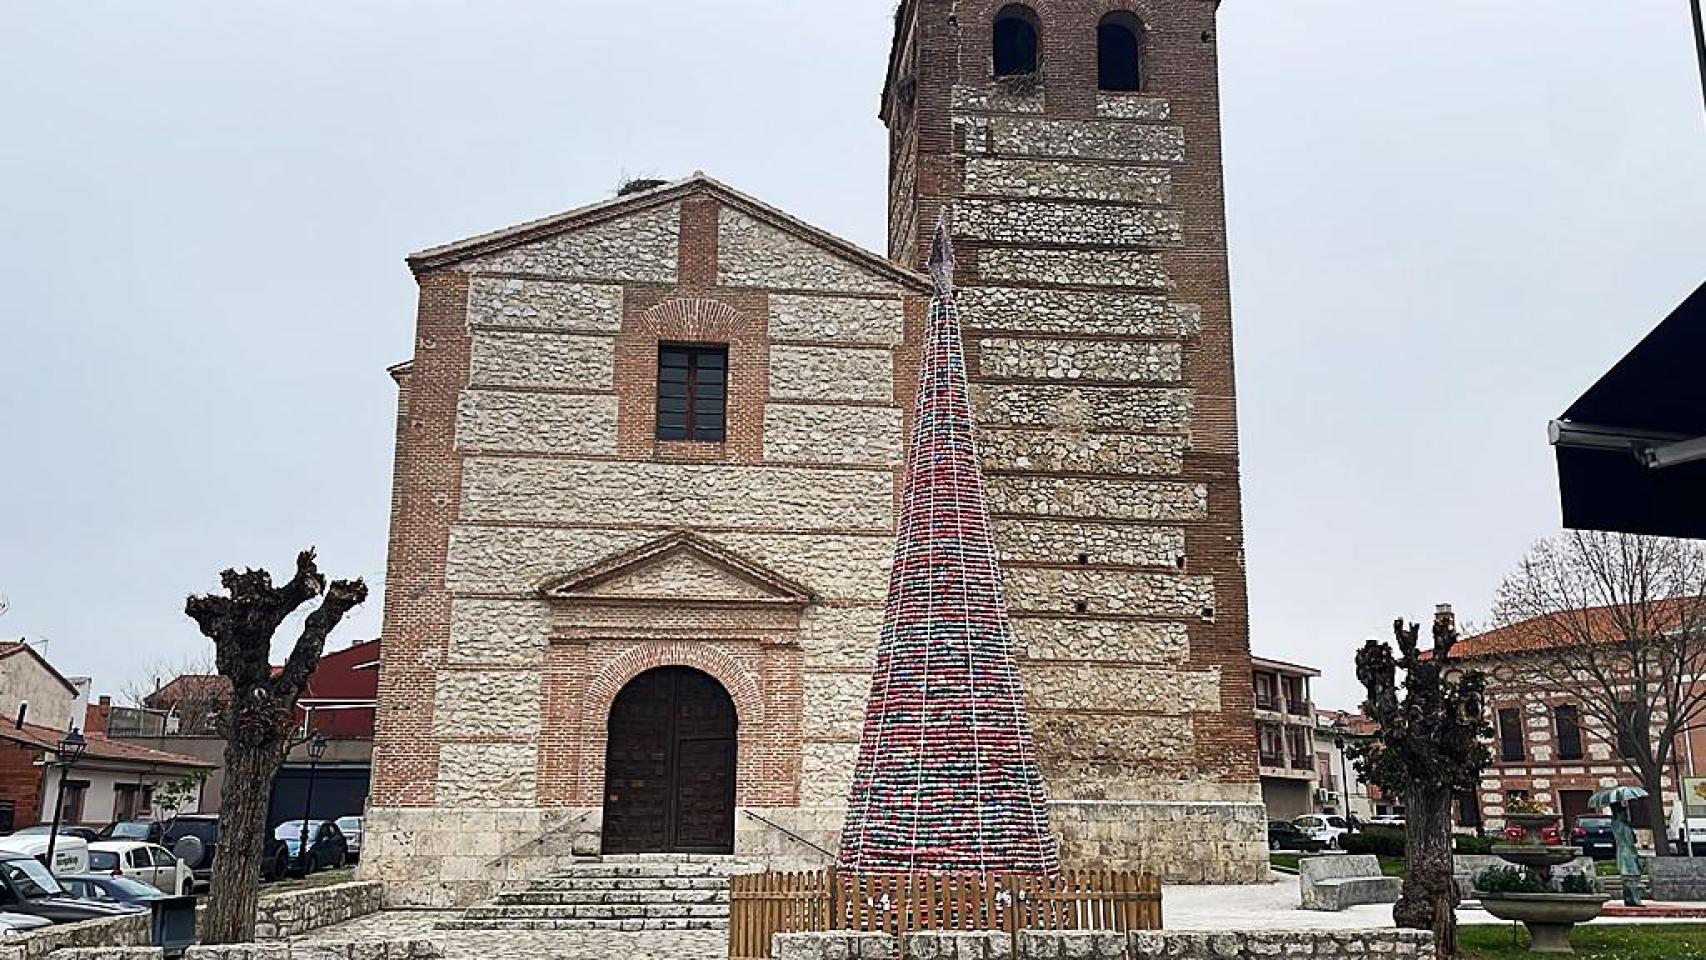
x: 113, y: 780
x: 1547, y: 746
x: 337, y: 703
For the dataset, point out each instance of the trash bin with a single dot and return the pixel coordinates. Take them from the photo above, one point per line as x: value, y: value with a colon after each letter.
x: 173, y: 924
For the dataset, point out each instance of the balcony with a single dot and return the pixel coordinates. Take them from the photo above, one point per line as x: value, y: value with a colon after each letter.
x: 1272, y: 759
x: 1303, y: 763
x: 1299, y: 708
x: 1267, y: 703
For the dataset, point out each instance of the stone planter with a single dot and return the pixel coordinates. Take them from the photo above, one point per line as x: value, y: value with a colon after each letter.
x: 1540, y: 859
x: 1548, y: 916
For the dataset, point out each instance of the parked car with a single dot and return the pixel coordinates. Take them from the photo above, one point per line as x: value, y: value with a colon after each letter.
x: 65, y: 830
x: 70, y: 854
x: 194, y: 839
x: 12, y: 924
x: 27, y: 887
x: 1284, y: 835
x: 1593, y: 834
x: 1324, y: 827
x: 148, y: 862
x: 1389, y: 820
x: 351, y: 826
x: 148, y: 831
x: 106, y: 888
x: 327, y: 846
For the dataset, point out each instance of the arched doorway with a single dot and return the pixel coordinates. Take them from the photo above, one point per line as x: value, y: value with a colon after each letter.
x: 669, y: 767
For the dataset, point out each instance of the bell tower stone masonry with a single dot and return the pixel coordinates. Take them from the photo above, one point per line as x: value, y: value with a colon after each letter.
x: 1074, y: 146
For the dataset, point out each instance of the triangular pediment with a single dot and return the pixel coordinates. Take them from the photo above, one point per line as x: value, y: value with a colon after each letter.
x: 629, y: 223
x: 681, y: 568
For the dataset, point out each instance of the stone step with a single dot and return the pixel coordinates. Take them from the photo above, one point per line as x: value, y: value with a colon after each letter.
x: 657, y: 868
x: 600, y: 911
x: 703, y: 923
x: 557, y: 897
x: 559, y: 884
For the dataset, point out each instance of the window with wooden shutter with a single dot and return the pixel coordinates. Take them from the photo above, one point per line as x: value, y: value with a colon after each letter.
x: 1510, y: 735
x: 692, y: 392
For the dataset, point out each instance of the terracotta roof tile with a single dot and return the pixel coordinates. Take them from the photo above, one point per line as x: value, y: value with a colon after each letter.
x: 47, y: 738
x: 1538, y: 633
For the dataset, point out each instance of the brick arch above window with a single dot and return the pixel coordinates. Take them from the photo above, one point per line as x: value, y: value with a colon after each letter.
x: 738, y: 322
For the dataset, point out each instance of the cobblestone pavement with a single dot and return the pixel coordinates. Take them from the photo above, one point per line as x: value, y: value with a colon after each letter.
x: 530, y: 944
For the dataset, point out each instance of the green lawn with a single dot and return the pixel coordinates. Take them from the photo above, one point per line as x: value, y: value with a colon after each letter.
x: 1391, y: 866
x: 324, y: 878
x: 1679, y: 942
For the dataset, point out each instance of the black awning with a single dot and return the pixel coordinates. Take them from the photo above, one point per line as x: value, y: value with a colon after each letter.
x: 1632, y: 451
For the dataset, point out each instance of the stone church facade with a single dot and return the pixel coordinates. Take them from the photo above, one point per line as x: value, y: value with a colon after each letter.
x: 648, y: 466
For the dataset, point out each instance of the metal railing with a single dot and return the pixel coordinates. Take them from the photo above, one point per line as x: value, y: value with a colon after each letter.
x: 541, y: 837
x: 791, y: 835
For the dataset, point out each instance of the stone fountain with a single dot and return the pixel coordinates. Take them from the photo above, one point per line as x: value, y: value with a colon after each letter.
x: 1551, y: 914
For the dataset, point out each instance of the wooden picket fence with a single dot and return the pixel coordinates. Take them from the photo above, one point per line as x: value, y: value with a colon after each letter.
x: 764, y: 904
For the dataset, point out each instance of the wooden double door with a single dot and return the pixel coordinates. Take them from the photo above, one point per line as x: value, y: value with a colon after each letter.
x: 669, y: 768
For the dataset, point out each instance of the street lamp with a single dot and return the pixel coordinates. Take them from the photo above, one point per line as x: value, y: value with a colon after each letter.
x: 316, y: 750
x: 69, y: 751
x: 1344, y: 774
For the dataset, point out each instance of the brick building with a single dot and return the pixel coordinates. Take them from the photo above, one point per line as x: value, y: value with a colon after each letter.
x: 1546, y: 745
x: 648, y: 461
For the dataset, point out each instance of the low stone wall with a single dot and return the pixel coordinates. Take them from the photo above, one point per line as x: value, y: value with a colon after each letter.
x: 126, y: 931
x: 1098, y: 945
x: 317, y: 950
x: 292, y: 914
x: 108, y: 953
x: 1677, y: 879
x: 125, y: 938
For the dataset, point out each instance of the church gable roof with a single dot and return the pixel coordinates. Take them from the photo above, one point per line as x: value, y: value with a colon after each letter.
x: 678, y: 568
x: 655, y: 213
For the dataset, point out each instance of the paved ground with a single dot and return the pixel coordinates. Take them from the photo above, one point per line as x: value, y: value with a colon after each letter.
x: 1270, y: 907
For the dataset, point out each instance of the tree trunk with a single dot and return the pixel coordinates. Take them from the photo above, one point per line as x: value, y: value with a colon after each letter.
x: 1429, y: 896
x: 230, y: 916
x: 1654, y: 784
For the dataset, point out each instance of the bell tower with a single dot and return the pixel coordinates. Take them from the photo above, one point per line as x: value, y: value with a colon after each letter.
x: 1075, y: 147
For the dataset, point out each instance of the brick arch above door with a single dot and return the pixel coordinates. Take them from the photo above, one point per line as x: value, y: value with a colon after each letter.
x: 679, y: 601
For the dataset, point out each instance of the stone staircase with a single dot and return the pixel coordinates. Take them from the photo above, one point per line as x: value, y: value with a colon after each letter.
x: 639, y: 892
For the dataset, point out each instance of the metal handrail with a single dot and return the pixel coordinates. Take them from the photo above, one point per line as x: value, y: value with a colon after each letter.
x: 790, y: 834
x: 559, y: 828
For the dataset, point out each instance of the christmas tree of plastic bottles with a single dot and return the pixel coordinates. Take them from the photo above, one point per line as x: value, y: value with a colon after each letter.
x: 947, y: 779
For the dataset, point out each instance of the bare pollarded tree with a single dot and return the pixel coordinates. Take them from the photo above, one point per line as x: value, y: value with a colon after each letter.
x: 1619, y: 621
x: 1429, y: 746
x: 259, y: 717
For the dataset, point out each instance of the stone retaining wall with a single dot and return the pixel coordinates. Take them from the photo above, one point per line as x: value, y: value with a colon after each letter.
x: 1100, y: 945
x: 125, y: 938
x: 317, y: 950
x: 126, y: 931
x: 1677, y: 879
x: 292, y: 914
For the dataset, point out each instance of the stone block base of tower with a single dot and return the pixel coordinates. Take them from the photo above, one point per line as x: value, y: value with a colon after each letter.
x: 445, y: 857
x: 1193, y: 842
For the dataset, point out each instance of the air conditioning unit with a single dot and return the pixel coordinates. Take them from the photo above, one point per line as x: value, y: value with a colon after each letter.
x: 1323, y: 795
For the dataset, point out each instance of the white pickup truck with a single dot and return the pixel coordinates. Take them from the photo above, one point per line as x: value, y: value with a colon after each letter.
x: 1689, y: 816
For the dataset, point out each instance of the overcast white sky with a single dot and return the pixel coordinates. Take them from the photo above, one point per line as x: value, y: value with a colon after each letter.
x: 1447, y: 219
